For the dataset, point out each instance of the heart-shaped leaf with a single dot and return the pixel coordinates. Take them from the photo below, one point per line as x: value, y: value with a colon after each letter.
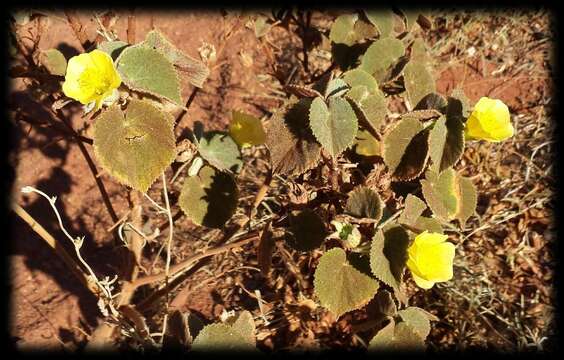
x: 196, y: 71
x: 342, y: 30
x: 221, y: 337
x: 147, y: 70
x: 413, y: 209
x: 335, y: 126
x: 54, y: 61
x: 293, y: 148
x: 388, y: 257
x: 364, y: 202
x: 418, y: 319
x: 209, y: 198
x: 339, y: 286
x: 134, y: 147
x: 380, y: 57
x: 220, y: 150
x: 358, y: 77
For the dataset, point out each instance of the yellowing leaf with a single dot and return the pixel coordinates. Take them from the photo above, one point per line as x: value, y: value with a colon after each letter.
x: 366, y: 144
x: 246, y: 129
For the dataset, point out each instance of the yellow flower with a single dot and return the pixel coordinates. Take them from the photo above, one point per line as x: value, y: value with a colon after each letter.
x: 430, y: 259
x: 246, y: 130
x: 489, y: 121
x: 91, y: 77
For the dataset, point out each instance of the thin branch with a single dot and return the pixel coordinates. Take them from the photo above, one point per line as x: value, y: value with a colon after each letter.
x: 75, y: 269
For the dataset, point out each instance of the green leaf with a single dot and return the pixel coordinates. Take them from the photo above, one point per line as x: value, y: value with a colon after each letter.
x: 342, y: 30
x: 113, y: 48
x: 432, y: 101
x: 384, y: 303
x: 380, y: 57
x: 357, y: 93
x: 54, y: 61
x: 388, y: 257
x: 220, y: 150
x: 363, y: 29
x: 397, y: 337
x: 135, y: 147
x: 307, y: 230
x: 195, y: 71
x: 364, y: 202
x: 449, y: 195
x: 209, y: 198
x: 339, y: 286
x: 147, y: 70
x: 405, y: 149
x: 446, y: 142
x: 418, y: 81
x: 413, y: 209
x: 293, y: 148
x: 336, y: 87
x: 221, y: 337
x: 335, y: 126
x: 383, y: 20
x: 358, y: 77
x: 366, y: 144
x: 430, y: 224
x: 244, y: 323
x: 417, y: 319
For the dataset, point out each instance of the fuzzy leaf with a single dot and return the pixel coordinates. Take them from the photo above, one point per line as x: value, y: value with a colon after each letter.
x: 384, y: 303
x: 54, y: 61
x: 383, y: 338
x: 244, y: 323
x: 209, y: 198
x: 364, y: 29
x: 147, y: 70
x: 220, y: 150
x: 380, y: 57
x: 449, y: 195
x: 342, y: 30
x: 307, y: 230
x: 419, y: 51
x: 137, y: 146
x: 358, y: 77
x: 195, y: 70
x: 388, y: 257
x: 432, y: 101
x: 113, y: 48
x: 293, y: 148
x: 413, y: 209
x: 339, y: 286
x: 430, y: 224
x: 336, y: 87
x: 417, y: 319
x: 406, y: 149
x: 364, y: 202
x: 397, y: 337
x: 418, y: 81
x: 335, y: 126
x: 221, y: 337
x: 446, y: 142
x: 383, y: 20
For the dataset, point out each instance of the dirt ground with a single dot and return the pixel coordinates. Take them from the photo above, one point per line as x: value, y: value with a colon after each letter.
x: 501, y: 296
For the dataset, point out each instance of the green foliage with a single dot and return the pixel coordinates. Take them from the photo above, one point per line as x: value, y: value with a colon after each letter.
x: 384, y: 304
x: 147, y: 70
x: 418, y: 319
x: 342, y: 30
x: 418, y: 81
x: 449, y: 195
x: 195, y: 71
x: 405, y: 148
x: 446, y: 142
x: 388, y: 257
x: 54, y: 61
x: 358, y: 77
x: 364, y: 202
x: 430, y: 224
x: 397, y: 337
x: 307, y: 230
x: 223, y: 337
x: 383, y: 20
x: 335, y: 126
x: 244, y: 323
x: 413, y: 209
x: 209, y: 198
x: 113, y: 48
x: 380, y: 56
x: 336, y: 87
x: 339, y: 286
x: 293, y: 148
x: 134, y: 147
x: 221, y: 151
